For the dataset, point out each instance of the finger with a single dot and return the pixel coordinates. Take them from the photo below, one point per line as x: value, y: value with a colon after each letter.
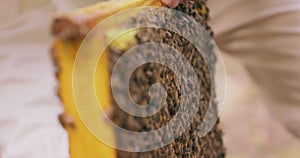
x: 170, y: 3
x: 174, y: 3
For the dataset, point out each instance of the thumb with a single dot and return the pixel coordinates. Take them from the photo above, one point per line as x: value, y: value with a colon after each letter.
x: 171, y: 3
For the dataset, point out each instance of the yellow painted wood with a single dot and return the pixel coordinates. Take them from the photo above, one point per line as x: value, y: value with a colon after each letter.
x: 82, y: 143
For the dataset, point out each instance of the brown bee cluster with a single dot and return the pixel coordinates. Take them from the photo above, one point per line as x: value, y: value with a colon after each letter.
x: 190, y: 143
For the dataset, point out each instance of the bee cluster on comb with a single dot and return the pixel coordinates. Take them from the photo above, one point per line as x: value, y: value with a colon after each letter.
x: 190, y: 143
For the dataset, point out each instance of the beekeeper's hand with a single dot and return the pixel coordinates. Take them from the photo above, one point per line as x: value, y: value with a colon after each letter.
x: 172, y: 3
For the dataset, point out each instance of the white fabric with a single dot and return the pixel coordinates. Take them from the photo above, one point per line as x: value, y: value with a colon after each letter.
x: 29, y: 106
x: 265, y: 36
